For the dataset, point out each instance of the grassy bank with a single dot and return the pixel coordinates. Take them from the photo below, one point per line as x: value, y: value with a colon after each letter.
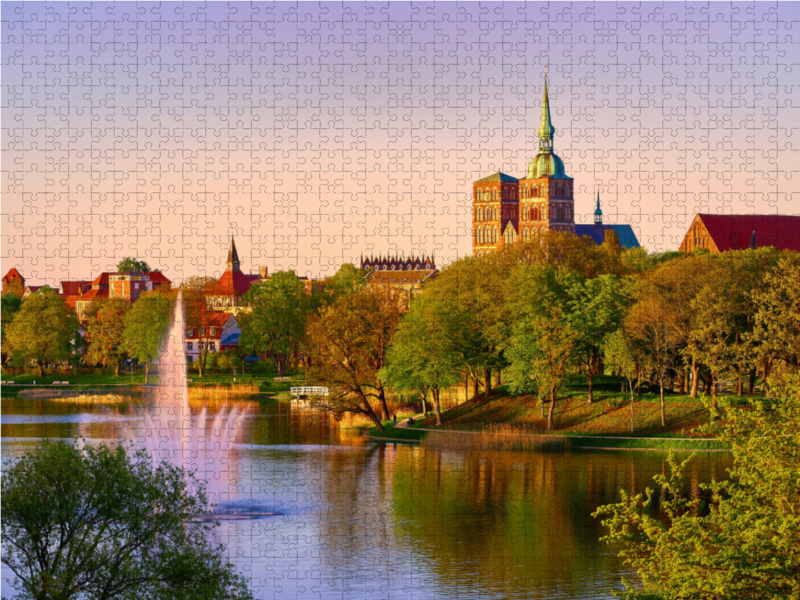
x: 517, y: 421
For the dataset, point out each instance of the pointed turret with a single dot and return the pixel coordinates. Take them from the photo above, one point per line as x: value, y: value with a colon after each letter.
x: 753, y: 245
x: 598, y: 214
x: 546, y: 130
x: 233, y: 257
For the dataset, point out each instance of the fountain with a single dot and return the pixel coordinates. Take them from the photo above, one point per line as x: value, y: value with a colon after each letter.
x: 199, y: 443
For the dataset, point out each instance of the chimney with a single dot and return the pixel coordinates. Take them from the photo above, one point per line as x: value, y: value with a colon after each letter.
x: 263, y: 271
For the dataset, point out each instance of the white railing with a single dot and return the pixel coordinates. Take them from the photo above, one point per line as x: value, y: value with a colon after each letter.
x: 305, y: 391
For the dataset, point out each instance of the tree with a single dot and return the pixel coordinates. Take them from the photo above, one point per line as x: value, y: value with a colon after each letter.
x: 542, y: 343
x: 198, y: 315
x: 596, y: 308
x: 277, y: 322
x: 96, y: 523
x: 11, y: 303
x: 777, y: 318
x: 229, y: 360
x: 104, y: 333
x: 421, y: 356
x: 745, y: 544
x: 131, y: 264
x: 42, y: 330
x: 144, y: 327
x: 349, y: 340
x: 346, y: 280
x: 624, y: 359
x: 648, y: 327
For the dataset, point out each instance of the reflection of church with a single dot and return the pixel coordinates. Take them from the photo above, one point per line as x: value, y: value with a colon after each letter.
x: 507, y: 210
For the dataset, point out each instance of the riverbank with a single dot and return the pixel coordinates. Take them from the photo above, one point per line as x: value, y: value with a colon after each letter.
x: 603, y: 424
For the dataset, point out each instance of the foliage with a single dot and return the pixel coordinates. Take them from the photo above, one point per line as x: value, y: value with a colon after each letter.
x: 542, y: 342
x: 777, y: 318
x: 228, y: 360
x: 132, y: 264
x: 42, y: 329
x: 277, y: 322
x: 144, y: 326
x: 104, y: 334
x: 10, y: 303
x: 347, y: 280
x: 95, y: 523
x: 422, y: 357
x: 745, y: 544
x: 623, y: 358
x: 348, y: 342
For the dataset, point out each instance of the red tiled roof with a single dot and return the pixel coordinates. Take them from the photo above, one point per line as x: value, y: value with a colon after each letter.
x: 73, y: 288
x: 102, y: 279
x: 13, y: 275
x: 232, y: 283
x: 158, y: 278
x: 94, y: 293
x: 734, y: 232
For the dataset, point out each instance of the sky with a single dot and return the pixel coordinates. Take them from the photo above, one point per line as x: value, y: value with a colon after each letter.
x: 318, y: 132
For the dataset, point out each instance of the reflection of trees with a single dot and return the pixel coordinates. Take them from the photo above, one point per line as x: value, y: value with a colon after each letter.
x: 515, y: 521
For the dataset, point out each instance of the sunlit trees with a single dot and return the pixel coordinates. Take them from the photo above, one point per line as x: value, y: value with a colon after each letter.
x: 422, y: 356
x: 42, y: 330
x: 349, y: 341
x: 624, y: 358
x: 277, y: 323
x: 345, y: 281
x: 542, y: 344
x: 745, y: 546
x: 144, y: 326
x: 132, y: 264
x: 11, y: 303
x: 777, y: 317
x: 104, y: 334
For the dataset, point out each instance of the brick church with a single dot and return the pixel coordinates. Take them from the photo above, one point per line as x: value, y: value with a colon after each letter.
x: 507, y: 210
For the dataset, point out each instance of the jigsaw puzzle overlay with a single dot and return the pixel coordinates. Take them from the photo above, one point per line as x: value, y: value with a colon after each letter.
x: 235, y: 140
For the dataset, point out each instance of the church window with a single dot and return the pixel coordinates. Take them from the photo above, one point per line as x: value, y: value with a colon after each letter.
x: 494, y: 194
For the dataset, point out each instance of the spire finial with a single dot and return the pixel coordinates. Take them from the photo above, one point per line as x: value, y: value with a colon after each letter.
x: 598, y: 214
x: 546, y: 129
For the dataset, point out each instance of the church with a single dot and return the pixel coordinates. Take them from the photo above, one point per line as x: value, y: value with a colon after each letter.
x: 507, y: 210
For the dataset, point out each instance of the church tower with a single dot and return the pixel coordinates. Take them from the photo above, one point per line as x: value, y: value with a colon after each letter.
x: 233, y: 258
x: 506, y: 210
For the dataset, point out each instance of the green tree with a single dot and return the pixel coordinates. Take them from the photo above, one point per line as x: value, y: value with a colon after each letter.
x: 96, y: 523
x: 144, y: 327
x: 349, y: 341
x: 745, y: 545
x: 104, y: 334
x: 277, y: 323
x: 777, y: 314
x: 228, y: 360
x: 10, y: 303
x: 132, y: 264
x: 542, y: 343
x: 346, y: 280
x: 421, y: 356
x: 596, y: 308
x: 623, y: 358
x: 42, y: 329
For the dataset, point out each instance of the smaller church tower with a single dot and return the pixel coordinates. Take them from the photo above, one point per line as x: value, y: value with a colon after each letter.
x: 233, y: 258
x: 598, y: 214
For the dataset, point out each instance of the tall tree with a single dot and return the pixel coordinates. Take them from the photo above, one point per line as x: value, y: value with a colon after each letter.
x: 648, y: 326
x: 542, y: 343
x: 349, y: 340
x: 42, y: 330
x: 132, y: 264
x: 144, y: 327
x: 11, y: 303
x: 625, y: 359
x: 422, y: 356
x: 104, y: 334
x: 777, y: 318
x: 345, y: 281
x: 596, y: 308
x: 277, y: 323
x: 198, y: 314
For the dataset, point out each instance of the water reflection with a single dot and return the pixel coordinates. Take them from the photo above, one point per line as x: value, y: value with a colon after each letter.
x: 355, y: 519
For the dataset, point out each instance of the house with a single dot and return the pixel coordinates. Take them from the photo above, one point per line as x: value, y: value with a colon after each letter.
x: 718, y: 233
x: 221, y: 327
x: 71, y: 291
x: 406, y: 273
x: 13, y: 279
x: 99, y: 289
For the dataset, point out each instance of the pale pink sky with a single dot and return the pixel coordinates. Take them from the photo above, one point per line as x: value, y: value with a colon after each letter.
x: 317, y: 132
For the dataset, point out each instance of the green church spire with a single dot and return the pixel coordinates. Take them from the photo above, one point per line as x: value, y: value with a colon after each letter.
x: 598, y: 214
x: 546, y: 129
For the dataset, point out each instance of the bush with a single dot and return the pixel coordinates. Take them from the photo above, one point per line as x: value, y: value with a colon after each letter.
x: 98, y: 523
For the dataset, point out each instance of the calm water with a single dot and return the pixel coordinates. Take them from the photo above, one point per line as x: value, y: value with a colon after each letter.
x: 363, y: 520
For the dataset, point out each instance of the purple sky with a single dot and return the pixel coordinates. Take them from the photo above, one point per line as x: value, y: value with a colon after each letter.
x: 316, y: 132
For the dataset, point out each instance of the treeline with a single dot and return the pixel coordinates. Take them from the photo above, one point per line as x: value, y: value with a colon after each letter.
x: 543, y: 310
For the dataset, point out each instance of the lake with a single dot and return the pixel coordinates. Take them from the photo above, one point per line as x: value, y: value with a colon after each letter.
x: 358, y: 519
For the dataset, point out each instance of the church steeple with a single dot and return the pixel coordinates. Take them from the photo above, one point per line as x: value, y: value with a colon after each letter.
x: 598, y: 214
x: 546, y: 130
x: 233, y: 257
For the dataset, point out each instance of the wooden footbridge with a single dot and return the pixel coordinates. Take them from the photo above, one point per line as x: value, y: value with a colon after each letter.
x: 306, y: 391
